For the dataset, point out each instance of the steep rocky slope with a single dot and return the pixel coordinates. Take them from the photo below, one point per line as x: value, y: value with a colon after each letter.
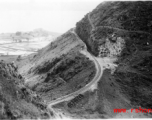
x: 16, y: 100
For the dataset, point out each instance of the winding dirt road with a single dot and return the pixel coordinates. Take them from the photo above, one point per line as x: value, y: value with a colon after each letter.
x: 99, y: 71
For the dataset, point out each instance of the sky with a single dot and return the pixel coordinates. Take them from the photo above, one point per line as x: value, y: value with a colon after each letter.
x: 52, y: 15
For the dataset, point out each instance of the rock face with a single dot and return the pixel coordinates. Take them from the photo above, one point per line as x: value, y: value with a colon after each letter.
x: 16, y: 100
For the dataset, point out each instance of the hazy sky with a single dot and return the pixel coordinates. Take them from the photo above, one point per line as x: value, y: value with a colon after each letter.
x: 53, y: 15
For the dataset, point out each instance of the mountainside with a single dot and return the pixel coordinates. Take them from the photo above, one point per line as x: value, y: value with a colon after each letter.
x: 120, y: 30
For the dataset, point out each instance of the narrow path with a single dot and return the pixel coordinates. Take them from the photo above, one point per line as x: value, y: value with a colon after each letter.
x: 143, y: 32
x: 93, y: 27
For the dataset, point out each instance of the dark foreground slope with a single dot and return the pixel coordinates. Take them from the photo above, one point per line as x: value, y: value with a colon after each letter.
x: 16, y: 100
x: 130, y: 86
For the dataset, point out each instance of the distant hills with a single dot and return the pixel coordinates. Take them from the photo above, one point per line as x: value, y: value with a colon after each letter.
x: 26, y: 36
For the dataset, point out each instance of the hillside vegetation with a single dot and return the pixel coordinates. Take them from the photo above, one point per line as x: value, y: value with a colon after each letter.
x: 16, y: 100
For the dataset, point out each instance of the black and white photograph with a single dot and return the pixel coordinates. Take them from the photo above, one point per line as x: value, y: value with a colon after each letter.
x: 75, y: 59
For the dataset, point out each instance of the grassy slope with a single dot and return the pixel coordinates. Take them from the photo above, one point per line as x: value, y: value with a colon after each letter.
x: 58, y: 69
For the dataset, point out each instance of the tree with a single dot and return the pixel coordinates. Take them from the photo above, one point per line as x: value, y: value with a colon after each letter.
x: 19, y: 58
